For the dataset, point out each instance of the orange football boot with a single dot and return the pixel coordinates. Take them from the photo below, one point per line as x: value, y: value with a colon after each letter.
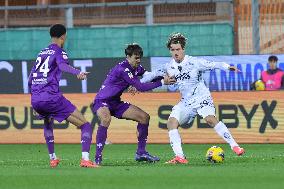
x: 238, y: 150
x: 88, y: 164
x: 54, y: 163
x: 178, y: 160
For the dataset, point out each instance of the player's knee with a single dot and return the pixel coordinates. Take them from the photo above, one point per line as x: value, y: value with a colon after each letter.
x: 172, y: 124
x: 105, y: 120
x: 211, y: 120
x: 144, y: 118
x: 147, y: 118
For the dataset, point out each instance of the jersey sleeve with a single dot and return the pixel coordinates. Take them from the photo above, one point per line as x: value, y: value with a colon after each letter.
x: 127, y: 76
x: 150, y: 76
x: 204, y: 65
x: 140, y: 70
x: 63, y: 64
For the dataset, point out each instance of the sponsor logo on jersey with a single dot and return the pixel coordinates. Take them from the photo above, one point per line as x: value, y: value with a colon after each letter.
x: 39, y: 81
x: 182, y: 76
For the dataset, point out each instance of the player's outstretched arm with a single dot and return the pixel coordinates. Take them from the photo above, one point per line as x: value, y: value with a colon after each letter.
x: 166, y: 81
x: 204, y: 65
x: 69, y: 69
x: 135, y: 82
x: 149, y: 76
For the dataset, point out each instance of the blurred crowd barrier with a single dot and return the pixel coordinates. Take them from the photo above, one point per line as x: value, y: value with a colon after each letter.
x: 271, y: 22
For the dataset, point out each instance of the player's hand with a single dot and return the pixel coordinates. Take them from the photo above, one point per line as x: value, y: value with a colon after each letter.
x: 169, y: 80
x: 82, y: 75
x: 234, y: 69
x: 132, y: 90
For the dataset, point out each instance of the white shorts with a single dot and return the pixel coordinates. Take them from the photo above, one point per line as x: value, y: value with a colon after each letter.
x: 186, y: 110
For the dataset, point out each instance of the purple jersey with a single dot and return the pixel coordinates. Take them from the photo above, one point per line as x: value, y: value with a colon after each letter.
x: 120, y: 78
x: 46, y: 73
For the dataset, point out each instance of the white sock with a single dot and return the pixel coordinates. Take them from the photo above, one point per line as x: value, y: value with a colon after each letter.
x: 223, y: 132
x: 85, y: 156
x: 52, y: 156
x: 175, y: 141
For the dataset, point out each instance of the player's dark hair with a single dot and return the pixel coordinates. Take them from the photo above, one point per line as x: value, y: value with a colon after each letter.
x: 133, y: 49
x: 57, y: 30
x: 176, y: 38
x: 272, y: 59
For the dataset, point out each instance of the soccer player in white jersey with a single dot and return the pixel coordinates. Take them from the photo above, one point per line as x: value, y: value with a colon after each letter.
x: 195, y: 96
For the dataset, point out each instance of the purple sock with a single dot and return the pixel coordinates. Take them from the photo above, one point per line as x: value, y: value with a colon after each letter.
x: 101, y: 140
x: 48, y: 135
x: 142, y: 137
x: 86, y: 136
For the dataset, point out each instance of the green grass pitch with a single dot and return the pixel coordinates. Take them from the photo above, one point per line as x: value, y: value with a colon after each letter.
x: 27, y: 167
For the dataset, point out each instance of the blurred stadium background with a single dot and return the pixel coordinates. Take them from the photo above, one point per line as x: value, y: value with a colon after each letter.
x: 241, y: 32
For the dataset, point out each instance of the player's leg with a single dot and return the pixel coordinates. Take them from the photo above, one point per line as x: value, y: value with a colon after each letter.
x: 207, y: 111
x: 224, y: 132
x: 136, y: 114
x: 104, y: 116
x: 40, y: 110
x: 178, y: 116
x: 77, y: 119
x: 62, y: 109
x: 49, y: 139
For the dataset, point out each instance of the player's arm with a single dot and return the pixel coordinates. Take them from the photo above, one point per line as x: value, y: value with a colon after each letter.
x: 63, y: 65
x: 210, y: 65
x: 135, y: 82
x: 150, y: 76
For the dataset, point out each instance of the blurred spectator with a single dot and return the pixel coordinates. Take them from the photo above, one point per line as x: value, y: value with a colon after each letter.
x: 273, y: 78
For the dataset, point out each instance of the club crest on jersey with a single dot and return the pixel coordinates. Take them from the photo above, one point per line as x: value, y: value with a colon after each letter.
x: 65, y: 57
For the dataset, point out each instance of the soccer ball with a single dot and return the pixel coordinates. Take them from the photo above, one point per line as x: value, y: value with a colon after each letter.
x: 215, y: 154
x: 259, y: 85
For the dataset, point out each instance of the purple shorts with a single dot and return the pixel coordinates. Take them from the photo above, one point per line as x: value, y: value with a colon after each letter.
x: 59, y: 109
x: 116, y: 107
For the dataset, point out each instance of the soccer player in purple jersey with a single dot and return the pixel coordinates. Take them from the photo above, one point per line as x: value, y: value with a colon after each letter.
x: 108, y: 102
x: 48, y: 101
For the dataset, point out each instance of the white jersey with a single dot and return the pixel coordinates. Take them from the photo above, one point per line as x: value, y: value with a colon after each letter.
x: 189, y: 75
x: 196, y: 97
